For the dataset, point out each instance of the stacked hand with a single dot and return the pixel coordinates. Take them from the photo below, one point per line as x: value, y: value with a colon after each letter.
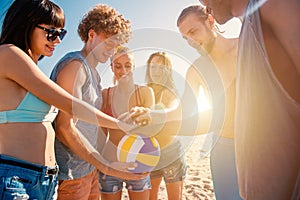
x: 142, y: 121
x: 138, y: 116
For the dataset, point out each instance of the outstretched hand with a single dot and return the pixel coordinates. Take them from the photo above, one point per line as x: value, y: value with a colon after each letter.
x: 142, y: 119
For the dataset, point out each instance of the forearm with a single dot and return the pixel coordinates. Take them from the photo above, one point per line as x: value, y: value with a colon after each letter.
x: 71, y: 137
x: 87, y: 113
x: 194, y: 124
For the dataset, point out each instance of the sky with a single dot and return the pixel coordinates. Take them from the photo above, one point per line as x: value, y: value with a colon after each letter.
x: 154, y: 29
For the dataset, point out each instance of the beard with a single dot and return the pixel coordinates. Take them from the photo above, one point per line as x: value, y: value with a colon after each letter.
x: 207, y: 48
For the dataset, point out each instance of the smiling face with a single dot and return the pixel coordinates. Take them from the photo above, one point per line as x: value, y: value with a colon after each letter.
x: 122, y: 66
x: 39, y: 43
x: 102, y: 47
x: 157, y: 70
x: 197, y: 30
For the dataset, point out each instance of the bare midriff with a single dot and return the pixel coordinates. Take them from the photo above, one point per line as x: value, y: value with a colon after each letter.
x: 32, y: 142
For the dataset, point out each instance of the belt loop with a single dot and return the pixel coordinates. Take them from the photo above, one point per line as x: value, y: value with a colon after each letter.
x: 43, y: 174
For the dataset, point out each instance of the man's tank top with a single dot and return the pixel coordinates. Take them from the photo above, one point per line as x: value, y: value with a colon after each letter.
x: 70, y: 165
x: 267, y: 125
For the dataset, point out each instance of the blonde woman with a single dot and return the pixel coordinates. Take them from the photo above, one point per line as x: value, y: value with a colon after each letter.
x: 116, y: 101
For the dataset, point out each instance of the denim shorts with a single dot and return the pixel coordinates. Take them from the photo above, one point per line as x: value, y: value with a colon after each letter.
x: 172, y: 173
x: 24, y: 180
x: 111, y: 184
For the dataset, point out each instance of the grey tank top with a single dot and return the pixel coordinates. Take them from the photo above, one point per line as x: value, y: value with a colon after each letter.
x: 70, y: 165
x: 267, y: 123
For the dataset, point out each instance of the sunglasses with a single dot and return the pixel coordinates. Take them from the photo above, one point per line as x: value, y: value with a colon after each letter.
x: 52, y: 33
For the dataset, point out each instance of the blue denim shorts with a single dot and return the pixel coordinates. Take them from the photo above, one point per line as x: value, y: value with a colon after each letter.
x: 111, y: 184
x: 24, y: 180
x: 172, y: 173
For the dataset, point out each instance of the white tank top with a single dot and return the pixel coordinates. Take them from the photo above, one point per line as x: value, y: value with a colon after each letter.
x: 267, y: 125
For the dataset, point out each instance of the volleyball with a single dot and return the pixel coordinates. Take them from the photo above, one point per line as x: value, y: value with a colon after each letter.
x: 144, y: 151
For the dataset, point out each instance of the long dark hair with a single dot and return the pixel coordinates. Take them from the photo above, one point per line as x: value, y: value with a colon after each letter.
x: 23, y: 16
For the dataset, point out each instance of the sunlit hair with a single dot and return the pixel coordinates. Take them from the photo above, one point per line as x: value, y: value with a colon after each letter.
x: 22, y: 17
x: 200, y: 11
x: 120, y: 51
x: 166, y: 61
x: 105, y: 19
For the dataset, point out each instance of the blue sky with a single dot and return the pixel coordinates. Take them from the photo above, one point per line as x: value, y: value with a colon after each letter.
x: 154, y: 28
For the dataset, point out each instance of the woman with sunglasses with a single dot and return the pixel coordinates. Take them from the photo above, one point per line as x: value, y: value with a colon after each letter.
x: 32, y: 29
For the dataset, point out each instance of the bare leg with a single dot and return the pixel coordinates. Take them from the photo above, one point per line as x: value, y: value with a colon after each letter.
x: 139, y: 195
x: 116, y: 196
x: 174, y: 190
x: 155, y: 183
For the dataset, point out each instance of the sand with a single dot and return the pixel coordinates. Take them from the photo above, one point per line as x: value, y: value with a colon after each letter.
x: 198, y: 182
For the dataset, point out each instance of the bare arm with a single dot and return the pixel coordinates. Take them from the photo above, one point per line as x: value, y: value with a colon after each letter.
x: 18, y: 67
x: 283, y: 18
x: 148, y: 96
x: 169, y: 119
x: 72, y: 78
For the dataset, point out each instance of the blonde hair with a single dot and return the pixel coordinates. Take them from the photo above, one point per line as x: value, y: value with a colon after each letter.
x: 119, y: 51
x: 170, y: 84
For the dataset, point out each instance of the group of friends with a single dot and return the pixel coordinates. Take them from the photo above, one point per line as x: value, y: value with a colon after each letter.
x: 70, y: 154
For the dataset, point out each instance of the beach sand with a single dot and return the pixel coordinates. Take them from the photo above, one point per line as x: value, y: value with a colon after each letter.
x: 198, y: 182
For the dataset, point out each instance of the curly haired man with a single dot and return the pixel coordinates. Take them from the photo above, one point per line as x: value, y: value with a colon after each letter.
x: 101, y: 29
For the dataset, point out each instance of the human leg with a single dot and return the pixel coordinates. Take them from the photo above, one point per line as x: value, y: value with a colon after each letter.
x: 223, y: 170
x: 114, y: 196
x: 174, y: 190
x: 110, y: 187
x: 139, y: 189
x: 155, y: 183
x: 174, y: 175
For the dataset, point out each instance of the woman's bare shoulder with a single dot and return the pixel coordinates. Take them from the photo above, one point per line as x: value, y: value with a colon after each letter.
x: 13, y: 58
x: 9, y: 50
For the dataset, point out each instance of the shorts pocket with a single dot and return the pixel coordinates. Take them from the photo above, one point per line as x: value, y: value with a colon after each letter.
x: 14, y: 193
x: 14, y: 188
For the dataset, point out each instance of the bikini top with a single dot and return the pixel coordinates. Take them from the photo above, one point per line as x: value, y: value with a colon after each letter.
x: 108, y: 108
x: 31, y: 109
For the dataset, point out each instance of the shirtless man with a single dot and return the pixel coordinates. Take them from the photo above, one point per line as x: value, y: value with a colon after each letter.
x: 267, y: 122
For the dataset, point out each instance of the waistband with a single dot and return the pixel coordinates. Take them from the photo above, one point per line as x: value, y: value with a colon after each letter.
x: 4, y: 159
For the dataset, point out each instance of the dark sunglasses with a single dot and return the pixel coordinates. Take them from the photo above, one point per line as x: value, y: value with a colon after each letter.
x: 52, y: 33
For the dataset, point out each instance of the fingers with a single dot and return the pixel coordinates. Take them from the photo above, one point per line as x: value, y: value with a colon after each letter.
x: 131, y: 165
x: 137, y: 111
x: 125, y: 174
x: 140, y: 115
x: 123, y: 166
